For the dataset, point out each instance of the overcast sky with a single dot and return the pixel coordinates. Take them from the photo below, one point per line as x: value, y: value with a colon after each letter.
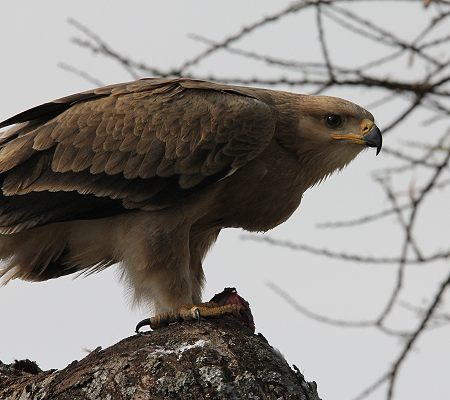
x: 55, y: 322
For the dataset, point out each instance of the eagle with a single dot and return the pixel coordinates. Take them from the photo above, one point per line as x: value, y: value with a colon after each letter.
x: 147, y: 173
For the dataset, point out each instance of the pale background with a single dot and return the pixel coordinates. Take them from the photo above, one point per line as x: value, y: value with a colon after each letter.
x: 55, y: 322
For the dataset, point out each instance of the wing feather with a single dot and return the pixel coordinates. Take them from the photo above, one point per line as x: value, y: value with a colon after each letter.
x: 146, y: 143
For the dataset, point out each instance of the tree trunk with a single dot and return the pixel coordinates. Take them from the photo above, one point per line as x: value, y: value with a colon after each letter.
x: 215, y: 359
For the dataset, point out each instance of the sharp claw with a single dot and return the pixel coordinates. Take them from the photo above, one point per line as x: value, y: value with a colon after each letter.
x: 227, y: 303
x: 196, y: 313
x: 141, y: 324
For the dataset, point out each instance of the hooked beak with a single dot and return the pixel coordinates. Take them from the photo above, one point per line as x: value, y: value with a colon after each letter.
x: 374, y: 138
x: 369, y: 135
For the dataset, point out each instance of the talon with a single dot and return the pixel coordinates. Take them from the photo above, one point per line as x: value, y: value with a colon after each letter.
x: 226, y: 303
x: 141, y: 324
x: 196, y: 313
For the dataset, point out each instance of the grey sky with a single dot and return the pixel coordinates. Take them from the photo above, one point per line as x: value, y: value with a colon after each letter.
x: 53, y: 322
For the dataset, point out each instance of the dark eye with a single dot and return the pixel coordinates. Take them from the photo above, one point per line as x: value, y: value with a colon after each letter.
x: 334, y: 121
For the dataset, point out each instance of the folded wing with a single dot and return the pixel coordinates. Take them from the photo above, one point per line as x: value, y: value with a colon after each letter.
x: 139, y: 145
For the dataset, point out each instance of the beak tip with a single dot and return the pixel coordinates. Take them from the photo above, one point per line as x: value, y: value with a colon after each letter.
x: 374, y: 139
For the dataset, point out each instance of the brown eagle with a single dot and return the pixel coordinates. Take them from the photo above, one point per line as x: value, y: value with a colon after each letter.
x: 148, y: 173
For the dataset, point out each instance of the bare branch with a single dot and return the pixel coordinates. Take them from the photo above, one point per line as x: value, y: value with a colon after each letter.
x: 82, y: 74
x: 440, y: 255
x: 295, y: 7
x: 362, y: 220
x: 373, y: 387
x: 412, y: 340
x: 323, y: 44
x: 333, y: 321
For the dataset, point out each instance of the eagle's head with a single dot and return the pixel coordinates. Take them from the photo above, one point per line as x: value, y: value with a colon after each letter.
x: 326, y: 133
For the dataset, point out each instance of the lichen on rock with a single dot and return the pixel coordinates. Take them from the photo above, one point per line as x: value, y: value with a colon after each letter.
x: 214, y: 359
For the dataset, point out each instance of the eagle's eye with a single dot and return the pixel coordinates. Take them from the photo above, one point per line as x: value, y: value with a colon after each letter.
x: 334, y: 121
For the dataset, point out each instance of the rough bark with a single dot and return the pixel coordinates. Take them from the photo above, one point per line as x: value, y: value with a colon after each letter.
x: 219, y: 359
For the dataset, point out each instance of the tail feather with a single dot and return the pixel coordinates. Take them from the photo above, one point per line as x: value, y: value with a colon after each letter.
x: 52, y: 251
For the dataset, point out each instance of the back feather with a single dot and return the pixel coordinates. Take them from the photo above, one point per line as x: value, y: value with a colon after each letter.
x: 145, y: 144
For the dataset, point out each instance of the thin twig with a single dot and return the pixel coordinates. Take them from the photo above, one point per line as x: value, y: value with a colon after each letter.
x: 412, y: 340
x: 333, y: 321
x: 82, y: 74
x: 437, y: 256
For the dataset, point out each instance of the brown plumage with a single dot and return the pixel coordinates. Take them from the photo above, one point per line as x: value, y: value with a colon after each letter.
x: 147, y: 173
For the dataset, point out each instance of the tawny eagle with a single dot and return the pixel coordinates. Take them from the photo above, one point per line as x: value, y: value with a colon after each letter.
x: 148, y: 173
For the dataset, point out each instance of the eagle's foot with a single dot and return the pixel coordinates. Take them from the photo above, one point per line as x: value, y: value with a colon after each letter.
x: 193, y: 313
x: 226, y: 303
